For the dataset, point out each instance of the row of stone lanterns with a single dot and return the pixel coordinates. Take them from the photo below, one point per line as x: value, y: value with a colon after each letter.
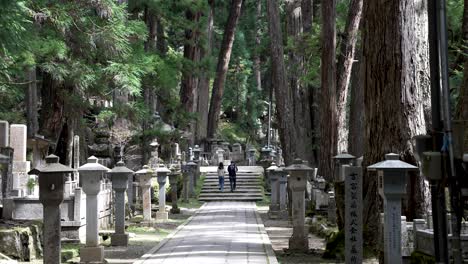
x: 51, y: 184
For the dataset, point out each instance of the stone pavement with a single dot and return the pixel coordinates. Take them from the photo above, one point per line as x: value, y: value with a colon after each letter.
x: 220, y: 232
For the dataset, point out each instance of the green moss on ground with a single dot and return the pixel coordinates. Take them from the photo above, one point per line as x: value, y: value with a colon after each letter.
x: 421, y: 258
x: 70, y: 251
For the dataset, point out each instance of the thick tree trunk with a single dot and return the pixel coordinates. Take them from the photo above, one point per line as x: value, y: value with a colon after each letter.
x: 462, y: 105
x: 328, y: 114
x: 256, y: 59
x: 204, y: 81
x: 223, y: 64
x: 356, y: 111
x: 279, y: 84
x: 31, y: 103
x: 344, y: 67
x: 392, y: 98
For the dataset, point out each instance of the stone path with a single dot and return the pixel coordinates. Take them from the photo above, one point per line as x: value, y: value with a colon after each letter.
x: 220, y: 232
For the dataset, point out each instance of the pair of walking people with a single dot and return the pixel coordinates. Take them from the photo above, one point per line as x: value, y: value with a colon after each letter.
x: 232, y: 170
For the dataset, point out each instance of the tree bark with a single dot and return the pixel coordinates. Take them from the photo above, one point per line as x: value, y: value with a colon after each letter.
x: 222, y: 68
x: 462, y: 106
x: 204, y: 81
x: 31, y: 103
x: 328, y: 114
x: 356, y: 111
x: 392, y: 98
x: 344, y: 67
x: 256, y: 59
x: 279, y: 84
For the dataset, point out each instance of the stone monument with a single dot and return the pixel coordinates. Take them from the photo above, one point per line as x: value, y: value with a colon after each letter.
x: 173, y: 179
x: 91, y: 174
x: 251, y: 156
x: 392, y: 186
x: 18, y: 141
x: 186, y: 181
x: 353, y: 214
x: 283, y: 193
x: 298, y: 180
x: 119, y: 176
x: 162, y: 172
x: 274, y: 182
x: 144, y: 177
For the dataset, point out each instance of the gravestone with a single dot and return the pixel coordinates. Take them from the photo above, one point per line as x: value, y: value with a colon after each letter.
x: 186, y: 182
x: 51, y: 182
x: 192, y: 167
x: 91, y: 174
x: 119, y: 175
x: 353, y: 214
x: 299, y: 240
x: 331, y: 207
x: 18, y: 141
x: 283, y: 193
x: 76, y: 158
x: 392, y: 186
x: 162, y: 172
x: 339, y: 160
x: 274, y: 182
x: 144, y: 177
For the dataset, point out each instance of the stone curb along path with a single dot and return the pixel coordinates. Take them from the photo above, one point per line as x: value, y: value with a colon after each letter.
x: 219, y: 232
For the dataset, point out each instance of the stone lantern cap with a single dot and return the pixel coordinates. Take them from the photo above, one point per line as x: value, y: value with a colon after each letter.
x: 236, y: 144
x: 273, y: 167
x: 298, y: 165
x: 191, y: 163
x: 93, y: 165
x: 120, y: 169
x: 146, y: 170
x: 162, y: 169
x: 252, y: 149
x: 266, y: 148
x: 52, y: 166
x: 154, y: 143
x: 344, y: 157
x: 392, y: 162
x: 196, y: 148
x: 3, y: 158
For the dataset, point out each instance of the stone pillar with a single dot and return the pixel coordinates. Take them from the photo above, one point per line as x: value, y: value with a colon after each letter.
x: 251, y: 156
x: 186, y: 181
x: 18, y: 141
x: 51, y: 181
x: 162, y: 172
x: 331, y: 207
x: 298, y: 179
x: 119, y: 176
x: 173, y: 179
x: 392, y: 186
x: 274, y: 182
x: 144, y: 179
x: 192, y: 167
x: 76, y: 158
x: 353, y: 214
x: 283, y: 193
x: 4, y: 134
x: 91, y: 174
x: 220, y: 155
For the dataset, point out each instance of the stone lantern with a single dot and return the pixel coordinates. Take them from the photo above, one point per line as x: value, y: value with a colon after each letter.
x: 283, y: 193
x: 192, y: 167
x: 51, y: 181
x: 162, y: 172
x: 392, y: 186
x: 91, y: 174
x: 154, y: 154
x: 298, y: 172
x: 173, y: 179
x: 144, y: 177
x: 251, y: 156
x: 274, y: 182
x: 266, y: 153
x: 119, y: 176
x: 342, y: 159
x: 196, y: 153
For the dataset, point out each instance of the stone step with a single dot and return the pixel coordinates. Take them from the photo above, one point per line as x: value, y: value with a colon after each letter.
x: 213, y: 199
x: 239, y: 188
x: 228, y: 193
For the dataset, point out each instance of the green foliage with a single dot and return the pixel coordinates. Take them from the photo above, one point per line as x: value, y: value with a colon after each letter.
x: 421, y: 258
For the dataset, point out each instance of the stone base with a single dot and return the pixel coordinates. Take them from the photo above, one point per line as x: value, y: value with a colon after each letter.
x: 273, y: 214
x: 283, y: 215
x: 175, y: 210
x: 299, y: 244
x: 119, y: 240
x: 162, y: 216
x: 92, y: 255
x: 274, y: 207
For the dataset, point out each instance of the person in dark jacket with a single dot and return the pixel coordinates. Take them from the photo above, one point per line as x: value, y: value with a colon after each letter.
x: 232, y: 170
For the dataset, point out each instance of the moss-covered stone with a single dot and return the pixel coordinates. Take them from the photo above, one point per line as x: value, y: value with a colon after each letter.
x: 421, y: 258
x: 335, y: 248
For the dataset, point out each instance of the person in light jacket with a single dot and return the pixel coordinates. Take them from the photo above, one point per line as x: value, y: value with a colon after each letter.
x: 221, y: 176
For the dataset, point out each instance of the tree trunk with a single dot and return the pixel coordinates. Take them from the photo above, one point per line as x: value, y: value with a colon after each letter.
x: 392, y: 98
x: 356, y: 111
x: 462, y: 106
x: 204, y: 81
x: 31, y: 103
x: 344, y: 67
x: 328, y: 114
x: 222, y: 68
x: 279, y: 84
x: 256, y: 59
